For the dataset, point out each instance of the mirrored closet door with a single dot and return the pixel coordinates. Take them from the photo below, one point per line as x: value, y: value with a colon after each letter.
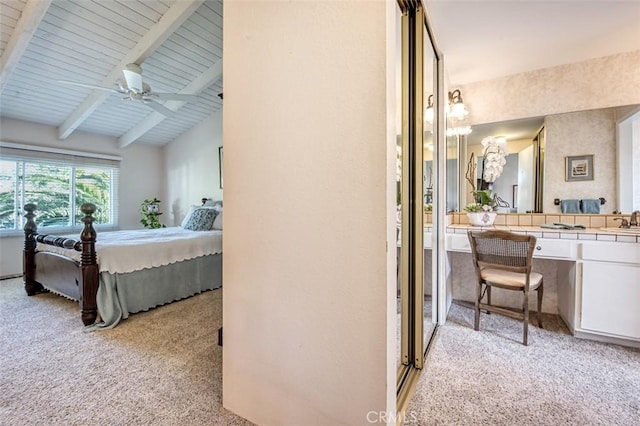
x: 417, y: 191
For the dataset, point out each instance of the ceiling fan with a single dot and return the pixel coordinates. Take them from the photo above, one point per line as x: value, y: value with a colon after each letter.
x: 134, y: 89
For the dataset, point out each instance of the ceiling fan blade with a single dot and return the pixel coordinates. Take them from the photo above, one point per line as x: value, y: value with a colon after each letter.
x: 159, y: 108
x: 174, y: 97
x: 89, y: 86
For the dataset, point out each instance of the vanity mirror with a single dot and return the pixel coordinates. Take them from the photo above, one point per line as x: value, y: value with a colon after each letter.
x: 519, y: 185
x: 534, y: 173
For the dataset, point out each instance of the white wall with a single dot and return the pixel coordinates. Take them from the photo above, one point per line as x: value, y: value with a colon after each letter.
x: 308, y: 205
x: 605, y: 82
x: 191, y: 162
x: 141, y: 175
x: 580, y: 133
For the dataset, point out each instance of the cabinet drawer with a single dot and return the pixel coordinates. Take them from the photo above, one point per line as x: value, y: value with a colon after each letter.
x: 556, y: 249
x: 611, y: 252
x: 428, y: 240
x: 458, y: 242
x: 545, y: 248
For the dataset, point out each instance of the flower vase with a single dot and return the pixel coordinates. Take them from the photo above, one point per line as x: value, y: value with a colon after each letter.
x: 482, y: 218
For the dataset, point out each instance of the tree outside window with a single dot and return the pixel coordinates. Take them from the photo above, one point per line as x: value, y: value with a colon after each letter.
x: 58, y: 190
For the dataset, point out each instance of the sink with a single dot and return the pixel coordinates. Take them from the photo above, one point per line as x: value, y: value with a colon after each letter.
x: 635, y: 230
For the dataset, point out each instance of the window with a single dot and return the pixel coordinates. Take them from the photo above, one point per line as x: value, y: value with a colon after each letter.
x: 58, y: 183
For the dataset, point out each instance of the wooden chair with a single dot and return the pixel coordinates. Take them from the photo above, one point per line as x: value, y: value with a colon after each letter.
x: 503, y: 259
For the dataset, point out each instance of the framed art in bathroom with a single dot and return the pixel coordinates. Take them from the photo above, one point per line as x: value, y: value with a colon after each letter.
x: 579, y: 167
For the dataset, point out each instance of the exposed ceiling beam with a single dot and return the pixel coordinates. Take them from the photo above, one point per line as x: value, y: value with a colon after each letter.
x: 168, y: 23
x: 26, y: 26
x: 203, y: 81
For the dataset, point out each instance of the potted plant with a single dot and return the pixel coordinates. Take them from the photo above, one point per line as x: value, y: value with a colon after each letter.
x: 482, y: 212
x: 150, y: 210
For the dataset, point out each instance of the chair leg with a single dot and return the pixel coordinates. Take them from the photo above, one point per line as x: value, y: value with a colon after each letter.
x: 525, y: 308
x: 489, y: 298
x: 540, y: 293
x: 476, y: 322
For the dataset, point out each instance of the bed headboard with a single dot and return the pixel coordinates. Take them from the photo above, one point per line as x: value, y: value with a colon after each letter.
x: 211, y: 202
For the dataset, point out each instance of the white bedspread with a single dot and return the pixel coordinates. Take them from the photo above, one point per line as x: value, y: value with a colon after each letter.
x: 128, y: 251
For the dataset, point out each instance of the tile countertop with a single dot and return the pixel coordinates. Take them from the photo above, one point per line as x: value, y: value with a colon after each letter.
x: 529, y: 223
x: 593, y: 234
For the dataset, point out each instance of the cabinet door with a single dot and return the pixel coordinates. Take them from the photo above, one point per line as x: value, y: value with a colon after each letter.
x: 611, y: 298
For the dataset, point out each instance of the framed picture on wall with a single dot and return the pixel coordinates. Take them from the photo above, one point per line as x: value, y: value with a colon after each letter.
x: 220, y: 153
x: 579, y: 167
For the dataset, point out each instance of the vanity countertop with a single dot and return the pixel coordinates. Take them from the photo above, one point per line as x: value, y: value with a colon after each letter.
x: 592, y: 234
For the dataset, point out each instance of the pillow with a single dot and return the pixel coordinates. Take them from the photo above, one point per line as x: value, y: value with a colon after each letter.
x: 193, y: 208
x: 217, y: 224
x: 201, y: 219
x: 188, y: 215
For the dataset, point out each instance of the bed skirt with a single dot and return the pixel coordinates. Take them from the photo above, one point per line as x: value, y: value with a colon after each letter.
x: 120, y: 295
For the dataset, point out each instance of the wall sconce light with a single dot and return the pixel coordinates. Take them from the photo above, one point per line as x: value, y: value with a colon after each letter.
x: 455, y: 109
x: 428, y: 114
x: 459, y: 131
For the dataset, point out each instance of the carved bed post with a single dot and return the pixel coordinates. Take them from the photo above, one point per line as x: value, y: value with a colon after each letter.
x: 90, y: 273
x: 31, y: 286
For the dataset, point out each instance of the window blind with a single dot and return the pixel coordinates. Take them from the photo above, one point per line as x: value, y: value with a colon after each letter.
x: 92, y: 178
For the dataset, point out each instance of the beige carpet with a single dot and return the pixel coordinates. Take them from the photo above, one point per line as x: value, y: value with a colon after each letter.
x: 161, y: 367
x: 488, y: 377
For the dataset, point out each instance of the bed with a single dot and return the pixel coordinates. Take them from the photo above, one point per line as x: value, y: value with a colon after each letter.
x: 124, y: 272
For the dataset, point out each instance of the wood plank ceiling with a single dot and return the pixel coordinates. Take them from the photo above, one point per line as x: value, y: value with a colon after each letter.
x: 178, y: 44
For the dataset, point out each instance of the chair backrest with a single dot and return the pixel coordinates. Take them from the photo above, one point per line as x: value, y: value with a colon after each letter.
x: 502, y: 250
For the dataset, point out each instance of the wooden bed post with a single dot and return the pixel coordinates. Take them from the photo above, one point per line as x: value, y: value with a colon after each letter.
x: 90, y: 272
x: 31, y: 286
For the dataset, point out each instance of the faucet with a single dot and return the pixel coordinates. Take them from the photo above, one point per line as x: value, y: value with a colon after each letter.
x: 633, y: 221
x: 624, y: 222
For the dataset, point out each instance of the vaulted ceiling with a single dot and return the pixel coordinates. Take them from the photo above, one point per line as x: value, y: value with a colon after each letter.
x: 177, y: 43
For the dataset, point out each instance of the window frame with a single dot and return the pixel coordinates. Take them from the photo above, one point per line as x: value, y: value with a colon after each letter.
x: 22, y: 155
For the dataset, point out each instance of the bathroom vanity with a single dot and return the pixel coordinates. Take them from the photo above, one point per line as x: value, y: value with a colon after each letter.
x: 607, y: 291
x: 592, y: 276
